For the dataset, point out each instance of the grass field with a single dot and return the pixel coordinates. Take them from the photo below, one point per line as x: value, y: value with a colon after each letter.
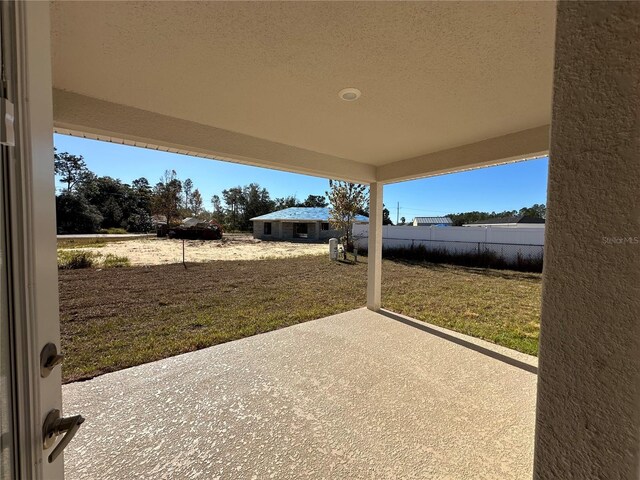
x: 97, y: 242
x: 116, y: 318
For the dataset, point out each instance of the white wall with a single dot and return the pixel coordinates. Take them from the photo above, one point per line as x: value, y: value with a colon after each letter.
x: 507, y: 242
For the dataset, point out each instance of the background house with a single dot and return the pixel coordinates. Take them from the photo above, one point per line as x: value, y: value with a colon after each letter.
x: 310, y: 223
x: 431, y: 221
x: 512, y: 222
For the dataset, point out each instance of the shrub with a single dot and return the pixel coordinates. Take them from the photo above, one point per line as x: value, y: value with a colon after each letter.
x: 114, y: 261
x: 114, y: 231
x: 482, y: 259
x: 73, y: 259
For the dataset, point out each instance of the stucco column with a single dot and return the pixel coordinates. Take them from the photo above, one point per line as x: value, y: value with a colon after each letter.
x: 374, y: 267
x: 588, y: 411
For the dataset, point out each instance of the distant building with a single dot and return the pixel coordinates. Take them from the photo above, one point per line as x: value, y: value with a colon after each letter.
x: 510, y: 222
x: 158, y: 220
x: 432, y: 221
x: 310, y: 223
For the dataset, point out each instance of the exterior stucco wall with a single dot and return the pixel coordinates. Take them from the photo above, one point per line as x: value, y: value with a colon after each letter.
x: 284, y: 231
x: 258, y: 230
x: 287, y: 230
x: 327, y: 234
x: 588, y: 411
x: 313, y: 230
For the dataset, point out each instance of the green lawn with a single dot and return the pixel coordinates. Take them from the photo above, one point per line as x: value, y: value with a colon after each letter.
x: 116, y: 318
x: 500, y: 306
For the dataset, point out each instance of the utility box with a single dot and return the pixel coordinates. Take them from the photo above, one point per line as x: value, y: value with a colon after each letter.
x: 333, y: 248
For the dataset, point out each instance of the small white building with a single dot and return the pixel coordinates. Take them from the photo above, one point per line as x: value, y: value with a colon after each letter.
x: 432, y: 222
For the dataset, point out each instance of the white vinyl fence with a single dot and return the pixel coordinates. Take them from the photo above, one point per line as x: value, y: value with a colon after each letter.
x: 507, y: 243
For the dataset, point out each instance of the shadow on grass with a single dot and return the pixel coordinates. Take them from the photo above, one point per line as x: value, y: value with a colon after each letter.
x: 463, y: 343
x: 463, y: 270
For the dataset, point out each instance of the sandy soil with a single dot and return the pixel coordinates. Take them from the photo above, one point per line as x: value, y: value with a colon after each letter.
x: 160, y: 251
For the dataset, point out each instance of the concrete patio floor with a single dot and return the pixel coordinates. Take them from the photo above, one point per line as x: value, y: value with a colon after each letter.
x: 355, y: 395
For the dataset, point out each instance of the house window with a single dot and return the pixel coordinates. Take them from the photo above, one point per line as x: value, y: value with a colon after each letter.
x: 300, y: 230
x: 324, y: 226
x: 267, y: 228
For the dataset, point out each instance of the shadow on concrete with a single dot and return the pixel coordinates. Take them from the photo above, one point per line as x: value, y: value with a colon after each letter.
x: 451, y: 338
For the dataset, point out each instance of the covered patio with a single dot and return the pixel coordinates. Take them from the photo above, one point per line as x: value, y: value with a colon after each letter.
x: 355, y: 395
x: 445, y: 86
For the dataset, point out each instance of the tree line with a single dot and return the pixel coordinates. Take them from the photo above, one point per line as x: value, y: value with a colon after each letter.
x: 89, y: 203
x: 536, y: 211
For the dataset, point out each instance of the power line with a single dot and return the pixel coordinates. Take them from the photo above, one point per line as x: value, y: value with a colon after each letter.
x: 423, y: 210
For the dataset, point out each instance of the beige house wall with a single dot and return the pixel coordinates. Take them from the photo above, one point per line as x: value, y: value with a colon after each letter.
x: 588, y: 411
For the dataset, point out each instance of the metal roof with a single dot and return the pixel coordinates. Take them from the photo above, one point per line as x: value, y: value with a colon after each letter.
x: 298, y: 214
x: 434, y: 220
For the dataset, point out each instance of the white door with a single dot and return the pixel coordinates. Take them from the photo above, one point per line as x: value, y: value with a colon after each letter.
x: 7, y: 427
x: 30, y: 400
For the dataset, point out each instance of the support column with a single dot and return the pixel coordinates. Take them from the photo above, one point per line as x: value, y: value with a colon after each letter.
x: 374, y: 266
x: 588, y: 410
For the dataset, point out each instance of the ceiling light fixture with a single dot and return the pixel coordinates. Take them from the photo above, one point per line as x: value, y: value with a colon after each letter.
x: 349, y: 94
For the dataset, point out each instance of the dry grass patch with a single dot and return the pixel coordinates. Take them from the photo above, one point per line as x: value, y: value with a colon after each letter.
x: 96, y: 242
x: 117, y: 318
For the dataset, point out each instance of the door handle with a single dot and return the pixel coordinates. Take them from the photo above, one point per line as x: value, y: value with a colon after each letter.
x: 55, y: 425
x: 49, y: 359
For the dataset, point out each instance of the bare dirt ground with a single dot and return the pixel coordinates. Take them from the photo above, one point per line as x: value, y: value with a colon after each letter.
x: 162, y: 251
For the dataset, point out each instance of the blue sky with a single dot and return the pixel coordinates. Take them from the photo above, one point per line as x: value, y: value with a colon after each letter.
x: 498, y: 188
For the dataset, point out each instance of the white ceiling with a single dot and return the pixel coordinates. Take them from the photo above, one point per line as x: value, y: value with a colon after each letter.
x: 434, y: 76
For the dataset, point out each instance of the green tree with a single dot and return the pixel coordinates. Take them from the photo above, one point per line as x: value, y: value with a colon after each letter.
x: 195, y: 203
x: 244, y: 203
x: 139, y: 221
x: 285, y: 202
x: 74, y: 214
x: 536, y: 210
x: 315, y: 201
x: 71, y: 169
x: 142, y: 196
x: 346, y: 200
x: 233, y: 199
x: 386, y: 219
x: 218, y: 211
x: 187, y: 190
x: 459, y: 219
x: 255, y: 202
x: 114, y: 200
x: 167, y: 197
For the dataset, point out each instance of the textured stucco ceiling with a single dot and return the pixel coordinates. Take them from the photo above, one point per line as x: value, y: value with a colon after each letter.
x: 434, y: 75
